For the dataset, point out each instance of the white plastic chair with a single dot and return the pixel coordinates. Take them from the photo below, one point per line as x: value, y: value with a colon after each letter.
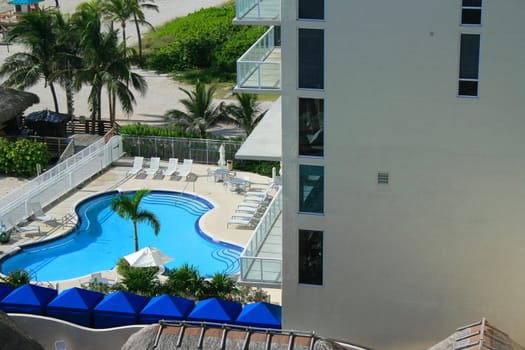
x: 38, y: 213
x: 172, y: 167
x: 186, y: 167
x: 154, y: 165
x: 137, y: 166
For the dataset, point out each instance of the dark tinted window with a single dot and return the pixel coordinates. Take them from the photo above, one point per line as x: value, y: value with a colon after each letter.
x: 469, y: 65
x: 311, y: 257
x: 311, y: 58
x: 311, y: 188
x: 471, y: 12
x: 311, y: 9
x: 311, y: 127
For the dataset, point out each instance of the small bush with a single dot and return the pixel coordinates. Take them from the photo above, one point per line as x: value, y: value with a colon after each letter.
x: 246, y: 294
x: 17, y: 278
x: 21, y: 157
x: 186, y: 281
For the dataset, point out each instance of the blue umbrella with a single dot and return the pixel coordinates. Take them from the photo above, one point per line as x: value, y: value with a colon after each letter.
x: 5, y: 289
x: 166, y: 307
x: 260, y: 314
x: 24, y: 2
x: 215, y: 310
x: 118, y: 309
x: 29, y: 299
x: 75, y: 305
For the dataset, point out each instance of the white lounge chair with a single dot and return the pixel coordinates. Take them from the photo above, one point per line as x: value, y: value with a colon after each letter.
x: 245, y: 221
x: 154, y: 165
x: 186, y: 167
x: 172, y: 167
x: 137, y: 166
x: 38, y: 213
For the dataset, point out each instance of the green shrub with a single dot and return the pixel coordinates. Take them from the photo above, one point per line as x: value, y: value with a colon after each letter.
x: 17, y: 278
x: 186, y: 281
x: 255, y: 166
x: 21, y: 157
x: 205, y: 39
x: 247, y: 294
x: 147, y: 130
x: 141, y: 280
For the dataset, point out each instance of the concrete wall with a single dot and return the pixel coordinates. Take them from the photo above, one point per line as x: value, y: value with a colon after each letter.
x: 442, y: 244
x: 48, y: 330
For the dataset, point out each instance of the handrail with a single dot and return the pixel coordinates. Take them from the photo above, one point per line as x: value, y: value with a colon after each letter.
x: 60, y: 179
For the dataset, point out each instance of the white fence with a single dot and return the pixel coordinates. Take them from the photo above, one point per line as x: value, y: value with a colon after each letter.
x: 17, y: 206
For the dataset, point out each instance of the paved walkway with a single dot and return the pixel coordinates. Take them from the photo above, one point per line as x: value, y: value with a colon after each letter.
x: 199, y: 183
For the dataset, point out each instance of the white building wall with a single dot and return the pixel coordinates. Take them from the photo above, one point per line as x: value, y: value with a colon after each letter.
x: 443, y: 244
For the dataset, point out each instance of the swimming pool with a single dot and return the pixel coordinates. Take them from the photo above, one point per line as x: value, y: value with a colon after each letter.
x: 102, y: 237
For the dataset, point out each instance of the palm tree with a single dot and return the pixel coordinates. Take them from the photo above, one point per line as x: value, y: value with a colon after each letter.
x: 246, y: 114
x: 105, y: 64
x: 36, y: 31
x: 128, y: 208
x: 122, y: 11
x: 201, y: 113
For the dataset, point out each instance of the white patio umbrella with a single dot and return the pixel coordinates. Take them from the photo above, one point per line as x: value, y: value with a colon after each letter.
x: 147, y: 257
x: 222, y: 156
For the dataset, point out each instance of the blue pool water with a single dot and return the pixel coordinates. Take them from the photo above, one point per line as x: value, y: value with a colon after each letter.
x: 102, y: 237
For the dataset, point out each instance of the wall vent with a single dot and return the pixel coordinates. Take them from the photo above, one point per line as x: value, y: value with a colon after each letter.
x: 382, y: 177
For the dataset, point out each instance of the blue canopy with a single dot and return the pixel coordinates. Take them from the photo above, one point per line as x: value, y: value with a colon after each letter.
x: 215, y: 310
x: 118, y: 309
x: 29, y: 299
x: 261, y: 314
x: 166, y: 307
x: 75, y: 305
x: 24, y: 2
x: 5, y: 289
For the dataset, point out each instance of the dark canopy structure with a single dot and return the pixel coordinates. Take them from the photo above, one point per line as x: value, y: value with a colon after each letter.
x: 75, y: 305
x: 48, y: 123
x: 215, y: 310
x: 260, y: 314
x: 118, y: 309
x: 14, y: 103
x: 29, y: 299
x: 166, y: 307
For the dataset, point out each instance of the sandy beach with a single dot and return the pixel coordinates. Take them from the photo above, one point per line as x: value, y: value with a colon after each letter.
x: 163, y: 92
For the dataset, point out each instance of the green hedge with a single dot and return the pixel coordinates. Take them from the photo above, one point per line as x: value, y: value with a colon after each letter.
x: 21, y: 157
x: 205, y: 39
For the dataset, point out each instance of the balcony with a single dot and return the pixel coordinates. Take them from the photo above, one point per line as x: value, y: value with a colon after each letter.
x: 259, y: 69
x: 258, y: 12
x: 261, y: 260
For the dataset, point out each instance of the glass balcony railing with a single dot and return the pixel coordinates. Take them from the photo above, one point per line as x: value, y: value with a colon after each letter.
x: 268, y: 11
x: 259, y: 69
x: 262, y: 257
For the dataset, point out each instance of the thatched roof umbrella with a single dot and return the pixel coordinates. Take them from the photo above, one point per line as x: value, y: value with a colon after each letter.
x: 14, y: 102
x: 12, y: 337
x: 168, y: 339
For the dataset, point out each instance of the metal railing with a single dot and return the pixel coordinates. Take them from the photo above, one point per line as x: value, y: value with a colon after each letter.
x: 257, y: 9
x: 46, y: 188
x: 255, y: 69
x: 269, y: 269
x: 200, y: 150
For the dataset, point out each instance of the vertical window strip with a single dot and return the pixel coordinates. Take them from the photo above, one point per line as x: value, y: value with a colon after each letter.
x: 311, y: 257
x: 469, y: 65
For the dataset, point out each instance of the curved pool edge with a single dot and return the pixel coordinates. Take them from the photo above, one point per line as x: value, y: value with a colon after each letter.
x: 77, y: 221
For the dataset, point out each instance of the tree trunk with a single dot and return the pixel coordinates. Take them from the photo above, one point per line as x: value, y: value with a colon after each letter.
x: 136, y: 236
x: 123, y: 24
x: 138, y: 38
x: 70, y: 97
x: 54, y: 94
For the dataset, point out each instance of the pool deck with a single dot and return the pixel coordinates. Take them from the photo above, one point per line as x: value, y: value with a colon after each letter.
x: 214, y: 223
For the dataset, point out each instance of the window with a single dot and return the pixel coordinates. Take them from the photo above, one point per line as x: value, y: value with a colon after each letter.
x: 311, y: 188
x: 311, y: 257
x: 471, y: 12
x: 311, y: 120
x: 311, y: 9
x: 311, y: 58
x: 469, y: 65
